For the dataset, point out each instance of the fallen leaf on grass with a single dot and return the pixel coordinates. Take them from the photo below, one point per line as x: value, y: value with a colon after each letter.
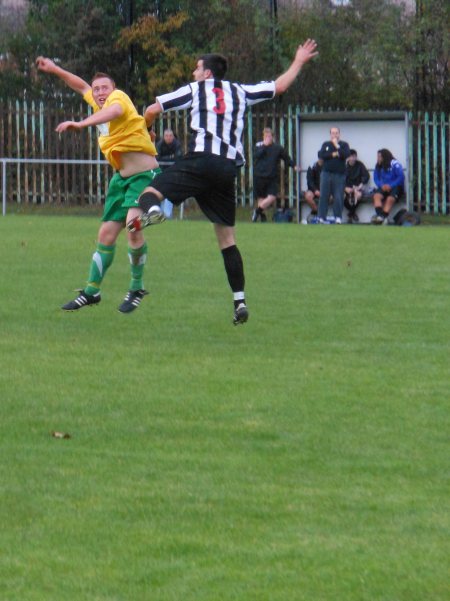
x: 61, y: 435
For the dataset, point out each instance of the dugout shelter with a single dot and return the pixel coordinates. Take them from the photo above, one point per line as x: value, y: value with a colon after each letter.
x: 366, y: 132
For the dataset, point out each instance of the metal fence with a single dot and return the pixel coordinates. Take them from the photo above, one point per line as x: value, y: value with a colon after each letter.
x: 429, y: 162
x: 40, y: 166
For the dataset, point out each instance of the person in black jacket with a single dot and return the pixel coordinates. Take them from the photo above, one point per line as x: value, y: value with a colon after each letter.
x: 266, y: 173
x: 312, y: 194
x: 169, y: 150
x: 356, y: 177
x: 334, y: 153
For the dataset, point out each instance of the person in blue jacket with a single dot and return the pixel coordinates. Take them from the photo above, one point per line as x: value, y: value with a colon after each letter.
x: 389, y: 180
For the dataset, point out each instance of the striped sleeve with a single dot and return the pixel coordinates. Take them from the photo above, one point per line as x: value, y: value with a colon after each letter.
x: 177, y: 100
x: 254, y: 93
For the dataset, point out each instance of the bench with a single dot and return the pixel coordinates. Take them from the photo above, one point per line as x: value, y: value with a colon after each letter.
x: 365, y: 210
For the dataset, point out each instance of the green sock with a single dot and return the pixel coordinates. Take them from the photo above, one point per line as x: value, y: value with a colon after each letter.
x: 138, y: 258
x: 101, y: 260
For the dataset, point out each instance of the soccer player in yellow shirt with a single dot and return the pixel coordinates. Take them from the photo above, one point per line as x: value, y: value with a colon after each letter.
x: 127, y: 146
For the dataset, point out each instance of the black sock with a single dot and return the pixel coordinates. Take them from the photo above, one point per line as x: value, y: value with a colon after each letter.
x: 147, y: 200
x: 384, y: 214
x: 379, y: 211
x: 235, y: 271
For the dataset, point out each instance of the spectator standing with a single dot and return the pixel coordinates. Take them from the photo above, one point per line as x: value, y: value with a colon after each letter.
x: 268, y: 156
x: 389, y: 181
x: 334, y: 153
x: 356, y: 177
x: 169, y: 150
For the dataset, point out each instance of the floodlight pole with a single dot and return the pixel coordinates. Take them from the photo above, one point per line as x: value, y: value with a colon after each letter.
x: 273, y: 12
x: 129, y: 18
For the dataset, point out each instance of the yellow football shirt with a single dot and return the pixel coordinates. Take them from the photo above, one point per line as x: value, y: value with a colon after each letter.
x: 127, y: 133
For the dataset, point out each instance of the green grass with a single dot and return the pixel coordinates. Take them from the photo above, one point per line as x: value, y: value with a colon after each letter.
x: 301, y: 457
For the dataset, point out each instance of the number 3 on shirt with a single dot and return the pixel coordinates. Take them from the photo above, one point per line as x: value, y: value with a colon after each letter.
x: 220, y: 107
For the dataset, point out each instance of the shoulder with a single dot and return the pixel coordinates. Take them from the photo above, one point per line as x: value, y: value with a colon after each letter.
x: 119, y: 97
x: 89, y: 98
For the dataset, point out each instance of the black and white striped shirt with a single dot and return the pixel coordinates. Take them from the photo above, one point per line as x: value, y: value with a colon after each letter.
x: 217, y: 110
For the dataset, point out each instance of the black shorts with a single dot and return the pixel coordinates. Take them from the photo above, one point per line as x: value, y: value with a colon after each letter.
x: 208, y: 178
x: 397, y: 192
x: 265, y: 186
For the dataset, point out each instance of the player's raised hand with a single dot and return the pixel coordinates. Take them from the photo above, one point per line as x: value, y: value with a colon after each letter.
x: 307, y: 51
x: 45, y: 64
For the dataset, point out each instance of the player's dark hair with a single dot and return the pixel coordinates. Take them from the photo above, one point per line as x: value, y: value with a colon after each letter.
x: 100, y: 75
x: 216, y: 63
x: 353, y: 152
x: 386, y: 158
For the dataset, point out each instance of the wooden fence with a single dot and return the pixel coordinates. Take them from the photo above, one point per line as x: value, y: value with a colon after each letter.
x: 27, y: 131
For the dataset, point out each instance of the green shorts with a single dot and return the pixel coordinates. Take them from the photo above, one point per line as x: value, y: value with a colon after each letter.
x: 123, y: 193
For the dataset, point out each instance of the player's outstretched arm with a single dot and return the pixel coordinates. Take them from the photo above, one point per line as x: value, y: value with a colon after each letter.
x: 305, y: 53
x: 104, y: 115
x: 46, y: 65
x: 151, y: 113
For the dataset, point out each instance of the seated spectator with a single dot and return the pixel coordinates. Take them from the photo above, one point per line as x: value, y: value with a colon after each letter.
x: 267, y: 156
x: 356, y: 177
x: 389, y: 181
x: 169, y: 150
x: 312, y: 194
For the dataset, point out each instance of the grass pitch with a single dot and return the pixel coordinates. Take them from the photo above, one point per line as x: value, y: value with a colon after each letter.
x: 301, y: 457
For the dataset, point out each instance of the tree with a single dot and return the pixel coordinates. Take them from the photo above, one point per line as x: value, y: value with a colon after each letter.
x: 361, y: 63
x: 167, y: 65
x: 372, y: 54
x: 432, y: 51
x: 80, y: 34
x: 171, y: 40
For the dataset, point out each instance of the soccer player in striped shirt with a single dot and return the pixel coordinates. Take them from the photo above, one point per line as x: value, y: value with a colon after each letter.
x: 208, y: 171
